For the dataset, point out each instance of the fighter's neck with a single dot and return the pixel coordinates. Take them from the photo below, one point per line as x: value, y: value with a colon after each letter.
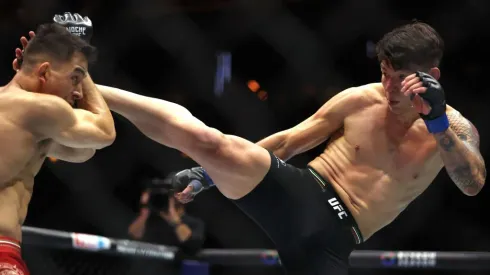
x: 23, y: 82
x: 407, y: 117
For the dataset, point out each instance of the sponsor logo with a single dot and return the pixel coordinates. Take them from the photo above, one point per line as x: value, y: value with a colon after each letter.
x: 388, y: 259
x: 79, y: 31
x: 146, y: 250
x: 90, y: 242
x: 270, y: 258
x: 409, y: 259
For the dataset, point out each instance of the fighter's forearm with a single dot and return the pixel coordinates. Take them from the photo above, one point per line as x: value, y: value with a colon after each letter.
x: 92, y: 98
x: 118, y: 100
x: 94, y: 102
x: 463, y: 163
x: 276, y: 143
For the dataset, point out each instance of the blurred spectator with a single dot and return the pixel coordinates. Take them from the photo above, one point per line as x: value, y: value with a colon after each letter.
x: 163, y: 220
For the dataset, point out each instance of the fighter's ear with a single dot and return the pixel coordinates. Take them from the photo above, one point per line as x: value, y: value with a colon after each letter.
x: 435, y: 73
x: 43, y: 71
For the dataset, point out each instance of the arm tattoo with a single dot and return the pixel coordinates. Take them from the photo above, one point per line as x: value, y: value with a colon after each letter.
x: 447, y: 143
x: 461, y: 155
x: 463, y: 177
x: 464, y: 129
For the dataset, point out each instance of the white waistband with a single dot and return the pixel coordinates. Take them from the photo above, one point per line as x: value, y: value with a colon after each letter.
x: 4, y: 242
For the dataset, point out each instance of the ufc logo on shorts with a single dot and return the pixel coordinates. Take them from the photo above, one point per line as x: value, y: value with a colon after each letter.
x: 335, y: 204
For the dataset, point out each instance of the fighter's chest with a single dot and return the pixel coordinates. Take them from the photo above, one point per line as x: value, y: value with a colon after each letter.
x: 390, y: 146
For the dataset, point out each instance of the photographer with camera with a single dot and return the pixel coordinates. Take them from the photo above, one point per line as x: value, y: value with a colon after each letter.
x: 162, y: 219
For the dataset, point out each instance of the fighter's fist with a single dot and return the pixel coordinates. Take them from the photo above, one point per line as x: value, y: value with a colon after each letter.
x: 187, y: 195
x: 426, y: 94
x: 186, y: 184
x: 76, y: 24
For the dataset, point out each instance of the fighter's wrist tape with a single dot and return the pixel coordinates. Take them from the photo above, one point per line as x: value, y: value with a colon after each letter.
x: 208, y: 178
x: 437, y: 125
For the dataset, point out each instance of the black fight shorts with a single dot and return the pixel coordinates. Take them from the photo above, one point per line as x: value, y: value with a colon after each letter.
x: 313, y: 231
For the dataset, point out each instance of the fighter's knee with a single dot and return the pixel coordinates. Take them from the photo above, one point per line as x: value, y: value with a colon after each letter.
x: 210, y: 139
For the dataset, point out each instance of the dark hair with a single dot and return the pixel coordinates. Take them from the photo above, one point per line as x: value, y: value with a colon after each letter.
x: 55, y: 43
x: 415, y: 43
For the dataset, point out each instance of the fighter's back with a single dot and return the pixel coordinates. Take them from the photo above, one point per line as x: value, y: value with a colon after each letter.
x: 377, y: 164
x: 23, y: 153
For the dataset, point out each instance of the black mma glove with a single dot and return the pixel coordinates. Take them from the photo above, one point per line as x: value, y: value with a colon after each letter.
x: 76, y: 24
x: 436, y: 120
x: 195, y: 177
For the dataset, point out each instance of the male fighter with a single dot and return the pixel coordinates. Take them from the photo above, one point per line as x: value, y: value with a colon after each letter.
x: 387, y: 142
x: 37, y: 120
x: 383, y: 153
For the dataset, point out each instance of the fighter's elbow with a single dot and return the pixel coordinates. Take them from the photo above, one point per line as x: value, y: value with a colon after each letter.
x: 73, y: 155
x: 83, y: 155
x: 471, y: 192
x: 110, y: 132
x: 110, y: 137
x: 474, y: 188
x: 103, y: 131
x: 104, y: 139
x: 478, y: 183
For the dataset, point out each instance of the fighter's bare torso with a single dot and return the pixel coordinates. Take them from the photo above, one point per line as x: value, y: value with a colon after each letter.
x: 376, y: 164
x: 23, y: 154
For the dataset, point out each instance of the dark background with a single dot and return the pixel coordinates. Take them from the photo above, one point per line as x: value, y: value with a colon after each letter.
x: 301, y: 53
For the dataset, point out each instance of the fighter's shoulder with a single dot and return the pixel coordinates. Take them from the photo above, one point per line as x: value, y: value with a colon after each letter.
x: 38, y: 107
x: 458, y: 121
x: 19, y: 95
x: 46, y: 105
x: 361, y: 96
x: 451, y: 111
x: 454, y: 115
x: 373, y: 92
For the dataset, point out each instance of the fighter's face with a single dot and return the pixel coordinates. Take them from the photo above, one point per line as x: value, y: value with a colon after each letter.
x: 391, y: 81
x: 65, y: 80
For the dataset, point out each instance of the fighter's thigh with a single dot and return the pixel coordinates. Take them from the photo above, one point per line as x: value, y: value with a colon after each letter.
x: 236, y: 165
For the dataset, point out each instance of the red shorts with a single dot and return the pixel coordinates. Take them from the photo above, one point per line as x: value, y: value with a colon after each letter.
x: 11, y: 262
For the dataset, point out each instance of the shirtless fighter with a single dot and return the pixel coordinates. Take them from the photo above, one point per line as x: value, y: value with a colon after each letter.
x: 387, y: 142
x: 37, y: 120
